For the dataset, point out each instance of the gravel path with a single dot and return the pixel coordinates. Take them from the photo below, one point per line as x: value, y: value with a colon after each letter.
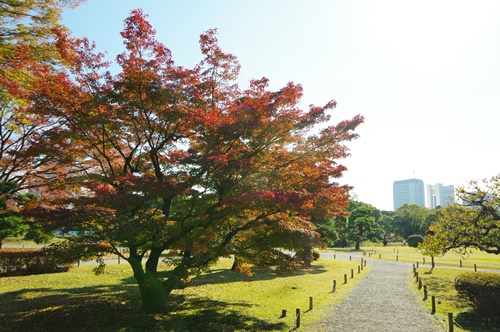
x: 382, y: 302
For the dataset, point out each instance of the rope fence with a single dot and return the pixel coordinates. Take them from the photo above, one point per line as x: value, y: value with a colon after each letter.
x: 405, y: 256
x: 451, y: 322
x: 299, y: 314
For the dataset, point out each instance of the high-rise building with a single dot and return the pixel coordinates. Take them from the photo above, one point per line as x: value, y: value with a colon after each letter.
x: 439, y: 195
x: 409, y: 191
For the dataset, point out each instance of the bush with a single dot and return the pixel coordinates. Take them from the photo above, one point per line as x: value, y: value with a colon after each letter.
x: 316, y: 254
x: 414, y: 240
x: 481, y: 290
x: 30, y: 261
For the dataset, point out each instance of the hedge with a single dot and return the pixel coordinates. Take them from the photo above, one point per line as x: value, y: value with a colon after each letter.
x: 481, y: 290
x: 31, y: 261
x: 414, y: 240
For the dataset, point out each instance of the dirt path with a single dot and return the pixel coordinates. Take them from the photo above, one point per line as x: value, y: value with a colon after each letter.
x: 381, y: 302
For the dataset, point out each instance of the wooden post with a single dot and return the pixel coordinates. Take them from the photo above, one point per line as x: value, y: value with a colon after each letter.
x: 334, y: 256
x: 433, y: 308
x: 345, y: 278
x: 365, y: 263
x: 416, y: 276
x: 359, y: 269
x: 450, y: 322
x: 417, y: 265
x: 379, y: 256
x: 414, y: 269
x: 297, y: 318
x: 334, y: 286
x: 350, y: 258
x: 310, y: 303
x: 475, y: 268
x: 425, y: 293
x: 283, y: 313
x: 352, y: 273
x: 460, y: 263
x: 419, y: 283
x: 397, y: 258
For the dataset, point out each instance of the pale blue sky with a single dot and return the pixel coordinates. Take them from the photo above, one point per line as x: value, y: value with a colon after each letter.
x: 424, y: 74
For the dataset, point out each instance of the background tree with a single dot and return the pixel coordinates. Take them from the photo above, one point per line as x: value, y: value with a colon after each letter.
x: 29, y: 36
x: 168, y: 158
x: 472, y: 222
x: 329, y: 231
x: 12, y: 223
x: 386, y: 222
x: 28, y: 29
x: 410, y: 219
x: 360, y: 223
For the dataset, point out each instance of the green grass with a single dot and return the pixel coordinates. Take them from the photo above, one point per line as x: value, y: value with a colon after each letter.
x: 440, y: 283
x: 222, y: 300
x: 483, y: 261
x: 17, y: 241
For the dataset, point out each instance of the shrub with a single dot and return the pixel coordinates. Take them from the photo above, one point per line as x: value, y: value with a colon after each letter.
x: 316, y: 254
x: 31, y: 261
x: 481, y: 290
x: 414, y: 240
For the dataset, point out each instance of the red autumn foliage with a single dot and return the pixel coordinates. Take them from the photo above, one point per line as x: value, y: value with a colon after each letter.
x: 165, y: 158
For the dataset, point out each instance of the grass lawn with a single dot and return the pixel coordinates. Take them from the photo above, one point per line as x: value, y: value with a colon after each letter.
x: 222, y: 300
x: 440, y: 283
x: 483, y: 261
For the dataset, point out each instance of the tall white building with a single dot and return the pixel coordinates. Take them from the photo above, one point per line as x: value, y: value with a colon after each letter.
x: 439, y: 195
x: 409, y: 191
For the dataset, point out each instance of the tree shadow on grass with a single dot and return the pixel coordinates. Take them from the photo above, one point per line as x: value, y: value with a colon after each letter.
x: 221, y: 276
x: 471, y: 321
x: 117, y: 308
x: 209, y: 315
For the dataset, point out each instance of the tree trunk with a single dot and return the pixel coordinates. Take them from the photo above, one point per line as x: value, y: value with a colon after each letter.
x: 357, y: 245
x: 152, y: 294
x: 236, y: 263
x: 154, y: 258
x: 153, y: 298
x: 176, y: 278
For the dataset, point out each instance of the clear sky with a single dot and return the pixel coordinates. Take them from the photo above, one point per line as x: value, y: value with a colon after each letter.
x: 425, y: 74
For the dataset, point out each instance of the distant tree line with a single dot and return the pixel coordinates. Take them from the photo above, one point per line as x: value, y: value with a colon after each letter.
x: 362, y: 222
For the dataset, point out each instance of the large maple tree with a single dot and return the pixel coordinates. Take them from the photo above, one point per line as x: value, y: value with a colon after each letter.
x: 182, y: 161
